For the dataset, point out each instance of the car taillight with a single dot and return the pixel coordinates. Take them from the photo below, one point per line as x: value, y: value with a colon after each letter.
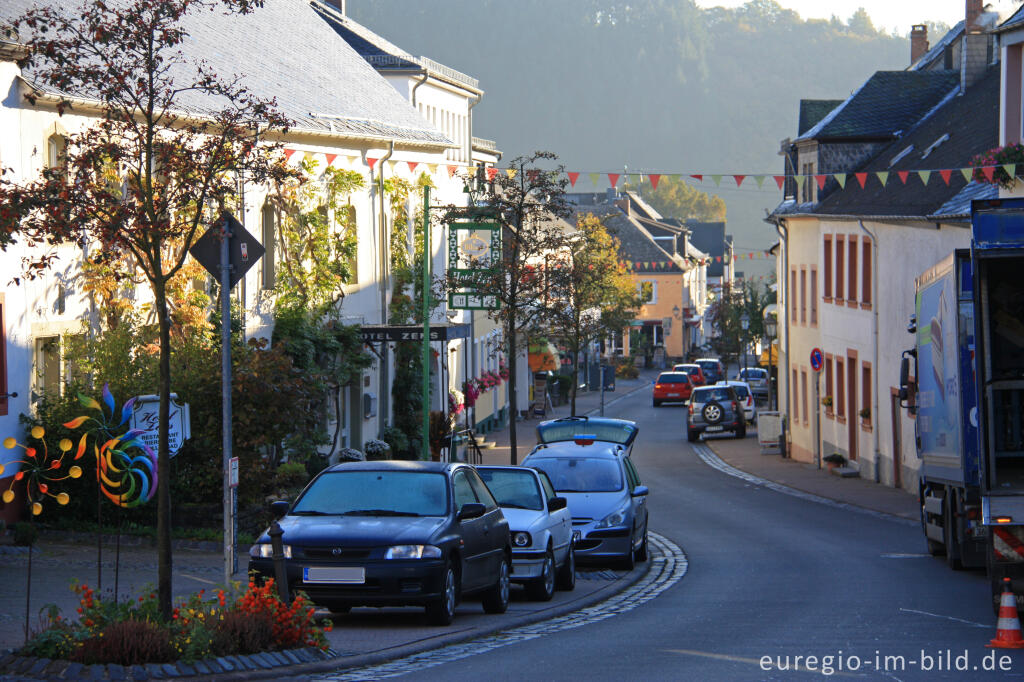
x: 691, y: 407
x: 735, y: 406
x: 749, y: 400
x: 657, y: 385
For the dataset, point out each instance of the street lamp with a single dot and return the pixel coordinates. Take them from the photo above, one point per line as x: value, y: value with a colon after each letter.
x: 744, y: 325
x: 771, y: 326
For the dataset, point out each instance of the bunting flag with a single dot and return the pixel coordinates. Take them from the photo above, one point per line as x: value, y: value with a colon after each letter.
x: 633, y: 179
x: 491, y: 173
x: 882, y: 176
x: 288, y: 154
x: 573, y: 177
x: 654, y: 177
x: 759, y: 179
x: 841, y: 179
x: 470, y: 171
x: 924, y: 175
x: 779, y: 179
x: 902, y: 175
x: 391, y: 166
x: 412, y: 165
x: 945, y: 175
x: 820, y: 179
x: 739, y: 179
x: 989, y: 171
x: 613, y: 178
x: 968, y: 173
x: 800, y: 181
x: 1010, y: 169
x: 861, y: 178
x: 370, y: 160
x: 511, y: 172
x: 451, y: 170
x: 594, y: 178
x: 330, y: 158
x: 531, y: 175
x: 307, y: 156
x: 698, y: 178
x: 717, y: 180
x: 351, y: 160
x: 432, y: 167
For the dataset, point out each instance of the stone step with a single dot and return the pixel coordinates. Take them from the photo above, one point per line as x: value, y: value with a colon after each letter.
x: 846, y: 472
x: 487, y: 445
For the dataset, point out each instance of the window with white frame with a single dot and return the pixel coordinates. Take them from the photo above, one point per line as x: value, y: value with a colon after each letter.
x: 653, y: 294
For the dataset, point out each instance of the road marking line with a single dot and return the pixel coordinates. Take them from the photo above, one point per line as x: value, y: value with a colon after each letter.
x: 196, y: 578
x: 662, y: 575
x: 898, y: 555
x: 938, y: 615
x: 715, y: 462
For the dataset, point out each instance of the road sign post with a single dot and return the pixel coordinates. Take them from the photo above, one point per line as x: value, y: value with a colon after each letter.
x: 227, y: 250
x: 817, y: 362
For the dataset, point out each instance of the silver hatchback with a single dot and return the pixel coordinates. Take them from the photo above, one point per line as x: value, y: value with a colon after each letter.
x: 715, y: 409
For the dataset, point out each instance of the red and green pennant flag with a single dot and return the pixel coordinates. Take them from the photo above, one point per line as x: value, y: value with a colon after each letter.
x: 841, y: 179
x: 739, y: 179
x: 779, y: 179
x: 412, y: 166
x: 902, y: 175
x: 820, y: 179
x: 698, y: 178
x: 492, y: 173
x: 372, y: 161
x: 613, y: 178
x: 451, y: 170
x: 945, y: 174
x: 573, y: 177
x: 882, y: 176
x: 862, y: 178
x: 330, y: 158
x: 654, y: 178
x: 925, y: 176
x: 595, y: 178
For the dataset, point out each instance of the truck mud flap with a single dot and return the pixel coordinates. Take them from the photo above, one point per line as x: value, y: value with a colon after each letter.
x: 1008, y: 544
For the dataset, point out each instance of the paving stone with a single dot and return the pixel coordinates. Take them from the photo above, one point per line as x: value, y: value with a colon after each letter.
x: 155, y: 671
x: 202, y: 668
x: 23, y: 664
x: 95, y: 672
x: 242, y: 662
x: 262, y: 660
x: 277, y: 658
x: 39, y: 665
x: 226, y: 665
x: 170, y: 670
x: 292, y: 658
x: 73, y: 671
x: 138, y: 673
x: 186, y: 669
x: 214, y: 665
x: 8, y: 660
x: 116, y: 671
x: 56, y: 668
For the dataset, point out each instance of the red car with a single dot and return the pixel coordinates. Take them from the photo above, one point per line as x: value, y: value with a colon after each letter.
x: 697, y: 377
x: 672, y: 387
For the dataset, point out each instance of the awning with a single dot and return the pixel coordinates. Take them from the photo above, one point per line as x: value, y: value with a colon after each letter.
x: 763, y: 361
x: 543, y: 357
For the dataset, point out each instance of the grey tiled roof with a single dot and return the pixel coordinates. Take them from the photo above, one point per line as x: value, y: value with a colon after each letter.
x: 888, y: 103
x: 635, y: 243
x: 960, y: 205
x: 937, y: 51
x: 1014, y: 22
x: 286, y: 51
x: 813, y: 110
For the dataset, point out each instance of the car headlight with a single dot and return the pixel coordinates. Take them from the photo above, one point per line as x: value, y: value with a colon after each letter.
x: 265, y: 550
x: 413, y: 552
x: 521, y: 539
x: 616, y: 518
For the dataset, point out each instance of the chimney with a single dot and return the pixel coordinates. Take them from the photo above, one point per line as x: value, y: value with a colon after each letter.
x: 974, y: 52
x: 918, y: 42
x: 623, y: 203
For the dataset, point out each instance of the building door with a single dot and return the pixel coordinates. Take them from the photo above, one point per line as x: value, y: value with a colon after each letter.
x: 897, y: 440
x: 851, y: 403
x: 355, y: 413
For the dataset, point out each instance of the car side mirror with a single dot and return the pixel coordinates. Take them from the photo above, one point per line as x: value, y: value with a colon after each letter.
x: 471, y: 510
x: 556, y: 503
x: 640, y: 491
x: 279, y: 508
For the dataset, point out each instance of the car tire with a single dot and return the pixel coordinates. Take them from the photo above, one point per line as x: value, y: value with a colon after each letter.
x: 566, y: 580
x: 543, y: 588
x: 741, y: 432
x: 657, y: 403
x: 641, y: 552
x: 495, y: 599
x: 442, y: 610
x: 692, y: 435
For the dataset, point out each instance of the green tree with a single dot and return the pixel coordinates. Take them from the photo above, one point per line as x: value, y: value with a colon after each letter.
x: 592, y: 295
x: 674, y: 198
x: 129, y: 58
x: 530, y: 206
x: 725, y: 312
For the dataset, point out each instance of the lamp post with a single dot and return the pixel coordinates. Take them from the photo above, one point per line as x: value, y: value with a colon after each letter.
x: 770, y: 328
x: 744, y: 325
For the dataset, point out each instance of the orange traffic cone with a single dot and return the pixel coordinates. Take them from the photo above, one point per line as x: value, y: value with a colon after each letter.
x: 1008, y: 634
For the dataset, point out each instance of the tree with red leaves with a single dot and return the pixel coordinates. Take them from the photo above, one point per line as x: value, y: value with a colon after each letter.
x: 166, y: 146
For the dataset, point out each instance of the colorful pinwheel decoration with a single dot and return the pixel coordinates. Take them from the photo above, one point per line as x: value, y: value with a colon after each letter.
x: 125, y: 466
x: 39, y: 471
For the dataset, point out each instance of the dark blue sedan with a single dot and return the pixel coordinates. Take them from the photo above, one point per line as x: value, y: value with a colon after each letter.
x: 394, y: 533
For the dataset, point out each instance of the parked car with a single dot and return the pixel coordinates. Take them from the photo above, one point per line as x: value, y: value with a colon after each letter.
x: 756, y: 378
x: 587, y: 460
x: 672, y: 387
x: 715, y: 409
x: 746, y: 396
x: 714, y: 370
x: 694, y: 371
x: 541, y: 528
x: 394, y: 533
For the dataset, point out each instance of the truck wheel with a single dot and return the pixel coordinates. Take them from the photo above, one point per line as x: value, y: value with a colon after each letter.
x: 949, y: 531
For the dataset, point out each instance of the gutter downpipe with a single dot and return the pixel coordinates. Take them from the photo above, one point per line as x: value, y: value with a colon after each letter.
x: 412, y: 95
x: 471, y: 418
x: 384, y: 386
x: 783, y: 230
x: 874, y: 376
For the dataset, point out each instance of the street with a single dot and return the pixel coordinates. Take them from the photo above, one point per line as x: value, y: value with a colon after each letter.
x: 769, y: 576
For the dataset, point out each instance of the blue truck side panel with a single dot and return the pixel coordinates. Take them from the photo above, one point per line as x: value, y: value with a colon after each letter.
x: 946, y: 398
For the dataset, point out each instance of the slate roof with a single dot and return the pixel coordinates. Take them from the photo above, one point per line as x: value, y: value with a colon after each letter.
x: 319, y: 81
x: 889, y: 102
x: 635, y: 243
x: 1015, y: 21
x: 971, y: 123
x: 813, y: 110
x: 710, y: 238
x: 938, y: 50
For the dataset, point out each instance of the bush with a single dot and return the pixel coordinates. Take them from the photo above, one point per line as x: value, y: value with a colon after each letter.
x: 291, y: 475
x: 25, y: 533
x: 240, y: 633
x: 376, y: 449
x: 395, y: 438
x: 129, y: 642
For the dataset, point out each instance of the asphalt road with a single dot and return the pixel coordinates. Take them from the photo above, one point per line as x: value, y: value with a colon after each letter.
x: 767, y: 576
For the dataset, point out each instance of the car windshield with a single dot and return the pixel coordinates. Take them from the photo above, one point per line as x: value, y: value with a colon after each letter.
x: 607, y: 430
x: 678, y: 378
x: 513, y: 488
x: 708, y: 364
x: 717, y: 394
x: 741, y: 391
x: 753, y: 374
x: 375, y: 493
x: 581, y: 474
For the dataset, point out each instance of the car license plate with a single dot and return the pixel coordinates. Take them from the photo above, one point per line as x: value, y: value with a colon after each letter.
x: 713, y: 428
x: 577, y: 536
x: 673, y: 395
x: 344, y: 575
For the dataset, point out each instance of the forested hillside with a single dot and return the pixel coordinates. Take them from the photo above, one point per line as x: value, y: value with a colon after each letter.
x: 655, y: 85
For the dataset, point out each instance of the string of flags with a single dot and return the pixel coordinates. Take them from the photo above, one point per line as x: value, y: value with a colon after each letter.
x: 600, y: 179
x: 655, y: 265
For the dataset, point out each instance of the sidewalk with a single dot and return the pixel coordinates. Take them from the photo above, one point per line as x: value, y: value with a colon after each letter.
x: 746, y: 455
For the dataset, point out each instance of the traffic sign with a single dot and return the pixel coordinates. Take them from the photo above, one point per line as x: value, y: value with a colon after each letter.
x: 817, y: 360
x: 243, y: 248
